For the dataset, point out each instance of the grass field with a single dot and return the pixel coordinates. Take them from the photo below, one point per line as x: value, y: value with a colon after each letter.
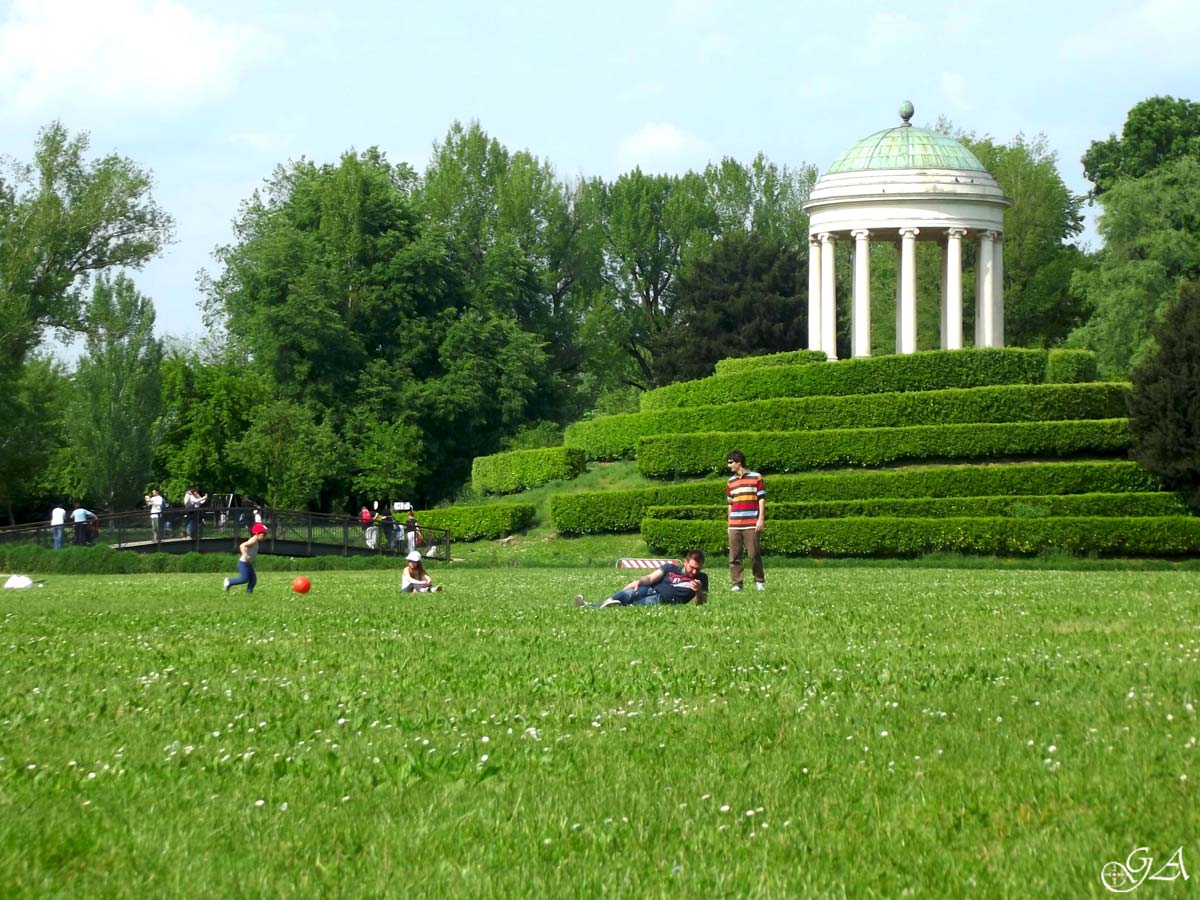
x: 882, y: 731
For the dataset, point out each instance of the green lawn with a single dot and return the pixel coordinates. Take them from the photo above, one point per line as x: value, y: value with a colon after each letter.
x: 852, y: 732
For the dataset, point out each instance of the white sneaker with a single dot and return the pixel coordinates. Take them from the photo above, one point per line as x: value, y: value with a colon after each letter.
x: 759, y: 586
x: 611, y: 601
x: 579, y: 601
x: 225, y: 586
x: 736, y: 588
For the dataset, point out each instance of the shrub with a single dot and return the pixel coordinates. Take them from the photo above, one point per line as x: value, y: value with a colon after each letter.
x: 615, y: 437
x: 519, y: 470
x: 473, y: 523
x: 925, y: 371
x: 622, y: 511
x: 1164, y: 407
x: 738, y: 364
x: 1026, y: 506
x: 792, y: 451
x: 901, y: 537
x: 1069, y: 366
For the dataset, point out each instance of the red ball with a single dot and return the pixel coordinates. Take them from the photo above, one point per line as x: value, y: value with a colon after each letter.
x: 301, y: 585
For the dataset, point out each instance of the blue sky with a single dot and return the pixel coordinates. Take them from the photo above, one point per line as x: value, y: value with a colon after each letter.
x: 212, y: 96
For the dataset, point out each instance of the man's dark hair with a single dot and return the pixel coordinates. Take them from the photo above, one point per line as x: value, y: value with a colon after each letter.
x: 697, y: 555
x: 737, y: 456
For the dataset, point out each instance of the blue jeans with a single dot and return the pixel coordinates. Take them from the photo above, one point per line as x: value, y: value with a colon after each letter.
x: 246, y: 576
x: 58, y: 535
x: 640, y: 596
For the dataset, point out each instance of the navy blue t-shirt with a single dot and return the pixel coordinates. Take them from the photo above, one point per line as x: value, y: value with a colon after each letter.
x: 676, y: 585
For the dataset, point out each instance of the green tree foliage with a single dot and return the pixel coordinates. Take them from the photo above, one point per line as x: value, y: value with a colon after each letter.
x: 33, y: 411
x: 1165, y: 403
x: 63, y: 219
x: 287, y: 454
x: 207, y: 406
x: 117, y: 394
x: 1158, y: 130
x: 741, y: 297
x: 1151, y: 232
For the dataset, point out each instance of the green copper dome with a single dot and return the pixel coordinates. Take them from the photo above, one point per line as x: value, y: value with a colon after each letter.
x: 906, y: 147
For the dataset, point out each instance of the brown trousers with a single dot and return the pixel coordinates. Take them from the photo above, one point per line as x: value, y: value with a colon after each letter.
x: 748, y: 538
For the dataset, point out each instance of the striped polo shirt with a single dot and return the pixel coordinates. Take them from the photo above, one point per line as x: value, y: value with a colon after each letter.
x: 743, y: 493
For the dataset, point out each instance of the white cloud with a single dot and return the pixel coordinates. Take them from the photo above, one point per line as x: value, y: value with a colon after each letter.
x: 662, y: 147
x: 1158, y: 32
x: 955, y: 91
x: 118, y: 55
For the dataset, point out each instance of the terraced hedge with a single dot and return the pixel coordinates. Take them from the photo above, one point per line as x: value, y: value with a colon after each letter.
x: 519, y: 470
x: 925, y: 371
x: 1024, y: 506
x: 1167, y: 536
x: 673, y: 455
x: 738, y: 364
x: 616, y: 437
x: 474, y: 523
x: 623, y: 511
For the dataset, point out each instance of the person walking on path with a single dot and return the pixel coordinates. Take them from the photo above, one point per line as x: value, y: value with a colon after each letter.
x: 668, y: 583
x: 747, y: 499
x: 248, y: 551
x: 157, y: 503
x: 58, y: 525
x: 412, y: 532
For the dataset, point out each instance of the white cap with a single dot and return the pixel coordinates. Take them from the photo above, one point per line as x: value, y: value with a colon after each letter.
x: 414, y: 556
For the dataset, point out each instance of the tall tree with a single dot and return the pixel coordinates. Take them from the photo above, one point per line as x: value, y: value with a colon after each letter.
x: 287, y: 454
x: 117, y: 394
x: 1151, y: 232
x: 1158, y: 130
x: 741, y: 297
x: 63, y: 219
x: 34, y: 412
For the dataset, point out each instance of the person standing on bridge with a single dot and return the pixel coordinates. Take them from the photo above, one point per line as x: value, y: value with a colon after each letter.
x: 248, y: 553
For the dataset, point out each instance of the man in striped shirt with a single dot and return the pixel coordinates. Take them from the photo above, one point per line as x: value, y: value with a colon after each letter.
x: 747, y: 498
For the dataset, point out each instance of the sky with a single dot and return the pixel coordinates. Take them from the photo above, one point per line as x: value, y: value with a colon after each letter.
x: 211, y: 96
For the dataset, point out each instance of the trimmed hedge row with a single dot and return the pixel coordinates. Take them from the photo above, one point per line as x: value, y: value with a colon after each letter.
x: 925, y: 371
x: 623, y: 511
x: 474, y: 523
x: 1023, y: 506
x: 895, y: 537
x: 794, y: 451
x: 1068, y: 366
x: 519, y: 470
x: 616, y: 436
x: 738, y: 364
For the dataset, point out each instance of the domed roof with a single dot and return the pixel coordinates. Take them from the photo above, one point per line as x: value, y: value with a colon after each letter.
x: 906, y: 147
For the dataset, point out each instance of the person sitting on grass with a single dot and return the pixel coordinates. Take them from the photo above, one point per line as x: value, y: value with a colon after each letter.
x: 248, y: 550
x: 415, y: 578
x: 666, y: 584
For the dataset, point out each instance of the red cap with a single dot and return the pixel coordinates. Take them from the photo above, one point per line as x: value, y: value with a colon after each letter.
x: 258, y: 528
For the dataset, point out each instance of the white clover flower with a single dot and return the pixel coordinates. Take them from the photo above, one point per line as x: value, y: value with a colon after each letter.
x: 260, y: 802
x: 725, y: 807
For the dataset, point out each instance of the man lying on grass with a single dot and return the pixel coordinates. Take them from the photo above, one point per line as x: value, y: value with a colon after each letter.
x: 666, y: 584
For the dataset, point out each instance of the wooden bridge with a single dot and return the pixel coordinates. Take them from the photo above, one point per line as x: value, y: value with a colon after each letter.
x: 292, y: 533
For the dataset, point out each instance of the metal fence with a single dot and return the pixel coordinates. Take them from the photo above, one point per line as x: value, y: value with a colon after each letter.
x: 291, y: 533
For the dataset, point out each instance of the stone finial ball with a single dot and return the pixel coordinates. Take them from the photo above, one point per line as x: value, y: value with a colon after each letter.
x: 906, y: 110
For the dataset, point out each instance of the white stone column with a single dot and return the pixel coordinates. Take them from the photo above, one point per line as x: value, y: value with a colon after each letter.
x: 953, y: 316
x: 899, y: 281
x: 942, y: 253
x: 908, y: 289
x: 860, y: 326
x: 998, y: 291
x: 978, y: 296
x: 828, y: 298
x: 987, y: 282
x: 814, y: 293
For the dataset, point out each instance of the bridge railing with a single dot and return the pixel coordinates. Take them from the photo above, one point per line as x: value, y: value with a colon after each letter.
x: 291, y: 533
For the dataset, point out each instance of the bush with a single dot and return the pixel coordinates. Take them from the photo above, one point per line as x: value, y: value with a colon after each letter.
x: 615, y: 437
x: 1164, y: 406
x: 1024, y: 506
x: 738, y: 364
x: 519, y: 470
x: 474, y: 523
x: 623, y: 511
x: 29, y: 558
x: 925, y: 371
x: 1070, y: 366
x: 672, y: 455
x: 900, y: 537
